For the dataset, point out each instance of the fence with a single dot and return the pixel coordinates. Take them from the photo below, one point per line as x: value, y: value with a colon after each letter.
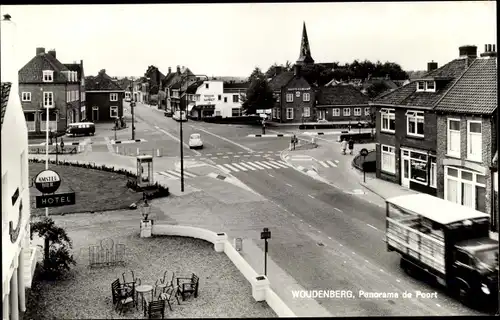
x: 107, y: 253
x: 135, y: 151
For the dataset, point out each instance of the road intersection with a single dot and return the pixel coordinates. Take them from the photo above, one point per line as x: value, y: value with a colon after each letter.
x: 331, y: 238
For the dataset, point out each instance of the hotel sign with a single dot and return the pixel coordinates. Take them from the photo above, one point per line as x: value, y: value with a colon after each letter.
x: 47, y: 181
x: 299, y: 89
x: 55, y: 200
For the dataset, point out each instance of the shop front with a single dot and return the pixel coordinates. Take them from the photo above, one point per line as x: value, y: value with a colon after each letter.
x: 418, y: 170
x: 202, y: 111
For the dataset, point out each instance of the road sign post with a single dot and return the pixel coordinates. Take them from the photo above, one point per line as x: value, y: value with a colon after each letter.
x: 363, y: 152
x: 265, y: 234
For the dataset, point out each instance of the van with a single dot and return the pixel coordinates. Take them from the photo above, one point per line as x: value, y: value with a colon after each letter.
x: 81, y: 128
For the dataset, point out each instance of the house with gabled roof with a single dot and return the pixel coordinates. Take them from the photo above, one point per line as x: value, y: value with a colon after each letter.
x: 174, y: 78
x: 342, y: 104
x: 104, y: 98
x: 467, y: 137
x: 406, y: 126
x: 18, y: 255
x: 45, y: 82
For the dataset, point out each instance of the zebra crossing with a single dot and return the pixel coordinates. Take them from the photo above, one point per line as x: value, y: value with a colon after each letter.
x: 252, y: 165
x: 328, y: 163
x: 176, y: 174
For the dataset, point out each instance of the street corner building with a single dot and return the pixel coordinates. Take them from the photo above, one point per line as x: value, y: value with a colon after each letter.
x: 104, y: 98
x: 467, y: 138
x: 18, y: 256
x: 437, y: 134
x: 45, y: 82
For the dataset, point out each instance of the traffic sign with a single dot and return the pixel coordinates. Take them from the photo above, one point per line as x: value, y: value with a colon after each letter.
x: 363, y: 152
x: 47, y: 181
x: 55, y: 200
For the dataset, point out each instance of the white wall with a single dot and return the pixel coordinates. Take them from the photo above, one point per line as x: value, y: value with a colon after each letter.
x: 225, y: 108
x: 211, y: 96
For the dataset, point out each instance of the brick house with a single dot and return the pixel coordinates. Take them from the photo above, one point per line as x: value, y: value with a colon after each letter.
x: 342, y: 103
x: 171, y: 79
x: 467, y: 137
x: 104, y: 98
x: 46, y: 82
x: 406, y: 125
x: 78, y: 68
x: 294, y: 97
x: 153, y: 84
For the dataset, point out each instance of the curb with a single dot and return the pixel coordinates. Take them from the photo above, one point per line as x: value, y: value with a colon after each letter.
x: 269, y: 135
x: 126, y: 141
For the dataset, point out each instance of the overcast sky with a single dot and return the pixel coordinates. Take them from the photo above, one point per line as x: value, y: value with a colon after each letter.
x: 232, y: 39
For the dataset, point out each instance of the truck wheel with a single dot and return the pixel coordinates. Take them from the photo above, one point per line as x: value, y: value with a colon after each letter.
x: 463, y: 294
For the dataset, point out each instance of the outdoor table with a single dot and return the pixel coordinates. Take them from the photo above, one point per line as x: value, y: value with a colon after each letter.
x: 142, y: 289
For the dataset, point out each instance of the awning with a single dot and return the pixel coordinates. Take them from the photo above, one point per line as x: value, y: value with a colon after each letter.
x: 204, y: 106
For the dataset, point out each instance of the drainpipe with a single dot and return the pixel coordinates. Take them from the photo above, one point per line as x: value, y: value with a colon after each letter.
x: 493, y: 214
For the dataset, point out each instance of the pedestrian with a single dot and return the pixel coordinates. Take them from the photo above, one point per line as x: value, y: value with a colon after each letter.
x: 343, y: 145
x: 351, y: 145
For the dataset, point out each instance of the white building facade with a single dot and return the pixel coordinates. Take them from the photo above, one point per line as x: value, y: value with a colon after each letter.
x: 18, y: 257
x: 224, y: 98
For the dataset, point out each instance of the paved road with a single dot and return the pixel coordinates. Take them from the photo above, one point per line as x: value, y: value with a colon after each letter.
x: 343, y: 249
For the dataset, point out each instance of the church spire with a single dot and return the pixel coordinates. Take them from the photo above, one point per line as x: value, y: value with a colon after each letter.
x: 305, y: 51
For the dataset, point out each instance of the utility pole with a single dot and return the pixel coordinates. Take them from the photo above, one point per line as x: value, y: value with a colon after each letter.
x: 132, y: 106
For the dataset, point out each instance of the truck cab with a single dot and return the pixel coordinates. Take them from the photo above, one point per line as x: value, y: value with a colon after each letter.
x: 447, y: 243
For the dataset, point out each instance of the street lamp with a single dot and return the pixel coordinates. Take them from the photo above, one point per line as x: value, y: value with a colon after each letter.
x: 145, y: 209
x: 187, y: 76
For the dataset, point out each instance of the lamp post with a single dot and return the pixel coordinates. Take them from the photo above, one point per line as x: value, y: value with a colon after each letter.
x: 145, y: 209
x: 187, y: 76
x: 46, y: 138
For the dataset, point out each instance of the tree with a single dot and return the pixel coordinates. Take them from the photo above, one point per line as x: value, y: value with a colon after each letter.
x: 258, y: 95
x: 376, y: 89
x: 56, y: 258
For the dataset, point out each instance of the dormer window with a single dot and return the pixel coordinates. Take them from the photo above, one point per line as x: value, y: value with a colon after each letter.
x: 426, y: 86
x: 48, y: 76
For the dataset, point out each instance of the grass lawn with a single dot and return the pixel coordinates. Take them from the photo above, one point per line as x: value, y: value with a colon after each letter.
x: 86, y: 293
x: 95, y: 190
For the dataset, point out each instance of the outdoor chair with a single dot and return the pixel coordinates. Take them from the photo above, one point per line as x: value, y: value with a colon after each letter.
x: 168, y: 294
x: 132, y: 281
x: 123, y: 295
x: 188, y: 286
x: 166, y: 281
x: 155, y: 306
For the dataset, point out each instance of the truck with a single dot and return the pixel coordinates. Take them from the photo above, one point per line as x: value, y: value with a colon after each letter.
x: 446, y: 243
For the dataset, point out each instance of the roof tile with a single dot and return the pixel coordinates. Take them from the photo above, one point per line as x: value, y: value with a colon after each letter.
x: 32, y: 71
x: 4, y: 98
x: 475, y: 92
x: 280, y: 80
x: 341, y: 95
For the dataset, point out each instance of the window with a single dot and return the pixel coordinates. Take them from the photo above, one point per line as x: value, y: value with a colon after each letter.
x: 465, y: 187
x: 48, y: 75
x: 219, y: 97
x: 30, y: 120
x: 474, y: 140
x: 113, y: 97
x: 418, y: 167
x: 289, y: 97
x: 421, y: 86
x: 388, y: 158
x: 206, y: 85
x: 306, y: 97
x: 367, y: 111
x: 26, y: 96
x: 433, y: 173
x: 217, y: 112
x: 68, y: 96
x: 289, y: 113
x: 453, y: 138
x: 357, y: 111
x: 388, y: 117
x: 82, y: 96
x: 415, y: 123
x: 307, y: 112
x: 76, y: 95
x: 236, y: 98
x: 113, y: 112
x: 336, y: 112
x: 48, y: 99
x: 235, y: 112
x: 346, y: 112
x: 225, y: 99
x: 431, y: 86
x: 278, y: 114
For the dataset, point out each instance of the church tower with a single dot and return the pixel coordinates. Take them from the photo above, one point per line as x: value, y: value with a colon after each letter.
x: 305, y: 51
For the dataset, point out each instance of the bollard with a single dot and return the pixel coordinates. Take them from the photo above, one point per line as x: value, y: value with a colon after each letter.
x: 158, y: 152
x: 137, y: 151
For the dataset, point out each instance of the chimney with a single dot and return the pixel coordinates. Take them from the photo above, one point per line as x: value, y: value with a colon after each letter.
x: 169, y: 70
x: 489, y: 51
x: 432, y: 66
x: 10, y: 66
x: 178, y: 69
x: 468, y: 52
x: 296, y: 70
x: 40, y: 50
x: 52, y: 53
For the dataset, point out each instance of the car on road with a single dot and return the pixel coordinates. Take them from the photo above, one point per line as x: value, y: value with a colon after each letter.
x: 195, y: 141
x: 168, y: 114
x: 80, y: 128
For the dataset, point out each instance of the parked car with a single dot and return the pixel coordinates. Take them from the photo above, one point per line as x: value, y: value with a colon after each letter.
x: 195, y: 141
x: 179, y: 116
x: 80, y: 128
